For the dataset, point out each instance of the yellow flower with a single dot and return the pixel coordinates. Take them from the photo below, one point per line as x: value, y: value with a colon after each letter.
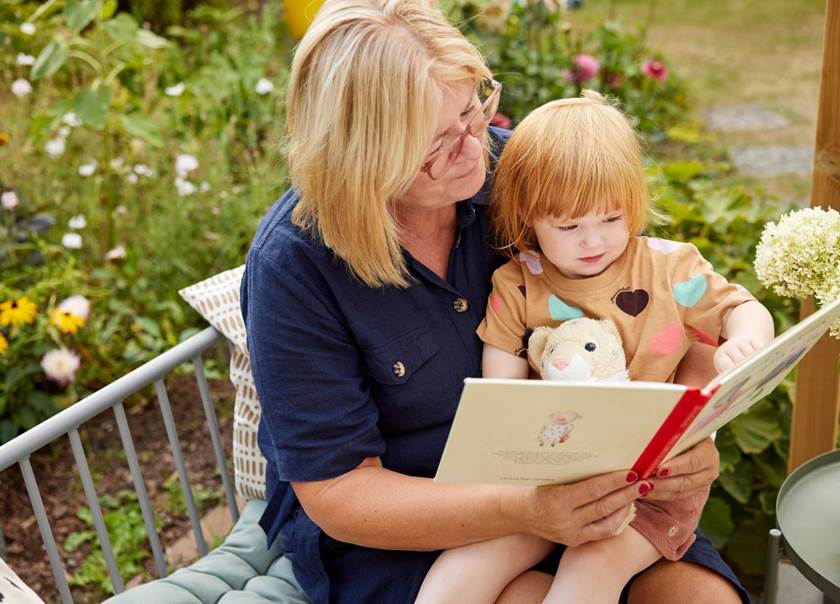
x: 17, y: 312
x: 4, y: 344
x: 5, y: 139
x: 66, y: 321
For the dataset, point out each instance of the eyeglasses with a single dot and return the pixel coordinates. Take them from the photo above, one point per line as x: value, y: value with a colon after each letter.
x: 488, y: 93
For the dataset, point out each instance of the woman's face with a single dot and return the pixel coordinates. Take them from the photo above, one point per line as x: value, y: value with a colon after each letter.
x: 465, y: 175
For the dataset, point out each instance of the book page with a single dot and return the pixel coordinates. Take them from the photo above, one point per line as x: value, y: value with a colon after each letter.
x: 738, y: 389
x: 538, y: 432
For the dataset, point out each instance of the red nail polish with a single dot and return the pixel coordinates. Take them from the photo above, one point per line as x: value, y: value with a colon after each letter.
x: 644, y: 489
x: 632, y: 476
x: 663, y: 472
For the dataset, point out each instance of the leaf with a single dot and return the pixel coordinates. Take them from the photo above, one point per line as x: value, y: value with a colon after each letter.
x: 748, y: 545
x: 75, y: 539
x: 738, y: 483
x: 41, y: 401
x: 8, y: 430
x: 140, y: 126
x: 25, y: 418
x: 19, y: 372
x: 109, y: 7
x: 755, y: 430
x: 729, y: 452
x: 683, y: 171
x: 91, y: 106
x: 121, y: 28
x: 151, y: 40
x: 716, y: 522
x: 79, y: 13
x: 148, y: 325
x: 49, y: 61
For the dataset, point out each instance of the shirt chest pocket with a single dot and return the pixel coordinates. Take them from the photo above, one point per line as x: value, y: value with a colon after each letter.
x: 396, y: 362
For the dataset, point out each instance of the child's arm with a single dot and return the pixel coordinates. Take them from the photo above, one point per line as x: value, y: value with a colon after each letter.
x: 496, y: 363
x: 747, y: 328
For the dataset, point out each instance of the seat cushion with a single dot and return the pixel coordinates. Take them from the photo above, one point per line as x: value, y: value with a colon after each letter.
x: 241, y: 570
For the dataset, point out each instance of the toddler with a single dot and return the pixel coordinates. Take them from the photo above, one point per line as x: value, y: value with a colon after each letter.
x: 569, y: 203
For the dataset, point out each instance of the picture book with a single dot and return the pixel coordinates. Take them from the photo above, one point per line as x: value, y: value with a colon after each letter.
x: 546, y: 432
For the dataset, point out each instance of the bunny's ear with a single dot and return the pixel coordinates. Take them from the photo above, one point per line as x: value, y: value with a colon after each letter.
x: 610, y: 327
x: 536, y: 344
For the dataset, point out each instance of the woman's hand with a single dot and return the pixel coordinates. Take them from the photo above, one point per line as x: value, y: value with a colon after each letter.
x: 689, y: 473
x: 575, y: 513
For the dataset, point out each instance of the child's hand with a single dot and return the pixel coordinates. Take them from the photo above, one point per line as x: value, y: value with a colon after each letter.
x: 735, y: 350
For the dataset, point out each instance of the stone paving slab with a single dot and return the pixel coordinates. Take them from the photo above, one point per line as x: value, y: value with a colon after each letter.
x: 743, y: 117
x: 770, y: 160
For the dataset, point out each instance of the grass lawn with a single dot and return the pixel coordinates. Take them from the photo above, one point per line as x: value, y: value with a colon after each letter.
x: 739, y: 51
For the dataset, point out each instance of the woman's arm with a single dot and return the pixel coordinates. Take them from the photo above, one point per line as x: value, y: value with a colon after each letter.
x: 362, y: 507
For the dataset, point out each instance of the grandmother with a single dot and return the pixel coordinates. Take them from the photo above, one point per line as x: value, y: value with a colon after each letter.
x: 363, y: 289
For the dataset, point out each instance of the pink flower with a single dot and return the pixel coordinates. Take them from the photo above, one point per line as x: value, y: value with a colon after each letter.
x: 585, y: 68
x: 502, y: 121
x: 655, y: 70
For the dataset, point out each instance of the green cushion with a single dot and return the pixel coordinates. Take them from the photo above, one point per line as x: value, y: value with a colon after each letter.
x: 240, y: 571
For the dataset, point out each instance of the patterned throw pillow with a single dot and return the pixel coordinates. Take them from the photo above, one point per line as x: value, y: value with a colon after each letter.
x: 217, y: 300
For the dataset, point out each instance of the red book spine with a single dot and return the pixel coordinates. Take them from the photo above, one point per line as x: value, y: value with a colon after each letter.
x: 687, y: 408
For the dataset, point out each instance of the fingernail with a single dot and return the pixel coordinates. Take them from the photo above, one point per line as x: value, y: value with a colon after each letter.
x: 632, y: 476
x: 644, y: 489
x: 663, y: 472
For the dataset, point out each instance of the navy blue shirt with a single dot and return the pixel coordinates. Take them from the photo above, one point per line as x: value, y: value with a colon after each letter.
x: 345, y: 371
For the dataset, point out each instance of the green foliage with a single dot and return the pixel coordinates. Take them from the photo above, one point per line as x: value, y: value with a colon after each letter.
x: 532, y: 50
x: 725, y: 222
x: 129, y: 540
x: 115, y: 109
x: 204, y: 498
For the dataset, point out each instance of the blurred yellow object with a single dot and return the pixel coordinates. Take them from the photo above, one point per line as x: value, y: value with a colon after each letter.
x: 300, y: 14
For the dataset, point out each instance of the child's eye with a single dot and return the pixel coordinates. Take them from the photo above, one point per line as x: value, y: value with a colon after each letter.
x: 614, y: 218
x: 570, y: 227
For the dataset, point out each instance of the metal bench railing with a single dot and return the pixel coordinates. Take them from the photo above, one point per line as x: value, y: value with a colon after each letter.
x: 68, y: 421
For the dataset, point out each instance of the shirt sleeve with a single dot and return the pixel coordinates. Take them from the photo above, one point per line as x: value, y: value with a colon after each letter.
x: 504, y: 324
x: 703, y: 295
x: 318, y: 417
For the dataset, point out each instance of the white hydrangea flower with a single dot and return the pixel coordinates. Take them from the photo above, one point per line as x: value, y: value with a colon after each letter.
x: 204, y: 186
x: 132, y: 178
x: 60, y: 365
x: 800, y: 256
x: 24, y: 59
x: 184, y: 187
x: 117, y: 253
x: 27, y: 28
x: 9, y: 200
x: 77, y: 222
x: 55, y: 147
x: 264, y: 86
x: 71, y: 120
x: 64, y: 131
x: 21, y: 87
x: 176, y: 90
x: 72, y: 241
x: 184, y: 164
x: 78, y: 305
x: 117, y: 164
x: 88, y: 169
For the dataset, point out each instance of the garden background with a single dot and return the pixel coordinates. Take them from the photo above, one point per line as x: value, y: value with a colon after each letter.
x: 141, y: 141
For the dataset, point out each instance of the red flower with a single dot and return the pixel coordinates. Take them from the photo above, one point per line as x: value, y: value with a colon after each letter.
x: 501, y: 121
x: 655, y: 70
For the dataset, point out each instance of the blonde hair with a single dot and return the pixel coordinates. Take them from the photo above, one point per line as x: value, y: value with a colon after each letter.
x: 366, y: 82
x: 566, y: 159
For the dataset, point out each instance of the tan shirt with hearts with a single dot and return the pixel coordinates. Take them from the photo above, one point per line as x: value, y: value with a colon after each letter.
x: 662, y: 295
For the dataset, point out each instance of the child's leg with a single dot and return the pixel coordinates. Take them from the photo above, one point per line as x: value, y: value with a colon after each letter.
x: 597, y: 571
x: 479, y: 572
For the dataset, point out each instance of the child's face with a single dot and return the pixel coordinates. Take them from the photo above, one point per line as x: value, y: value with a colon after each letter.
x: 583, y: 247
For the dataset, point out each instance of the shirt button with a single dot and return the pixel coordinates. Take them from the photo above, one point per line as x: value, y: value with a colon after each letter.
x: 460, y: 304
x: 398, y: 368
x: 672, y: 532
